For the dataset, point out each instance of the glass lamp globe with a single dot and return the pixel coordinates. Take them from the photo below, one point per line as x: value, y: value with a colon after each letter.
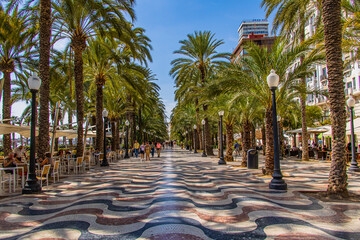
x: 195, y: 126
x: 34, y: 82
x: 127, y: 122
x: 351, y: 102
x: 273, y: 79
x: 221, y: 113
x: 105, y: 113
x: 203, y: 122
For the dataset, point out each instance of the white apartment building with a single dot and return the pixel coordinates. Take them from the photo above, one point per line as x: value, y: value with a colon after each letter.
x: 319, y: 79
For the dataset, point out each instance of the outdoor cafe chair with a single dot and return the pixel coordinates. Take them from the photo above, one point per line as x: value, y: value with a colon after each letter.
x: 87, y: 162
x: 44, y: 175
x: 5, y: 178
x: 56, y: 170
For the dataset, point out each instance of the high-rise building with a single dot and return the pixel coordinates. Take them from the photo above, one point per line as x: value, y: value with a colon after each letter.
x: 253, y: 27
x: 256, y: 31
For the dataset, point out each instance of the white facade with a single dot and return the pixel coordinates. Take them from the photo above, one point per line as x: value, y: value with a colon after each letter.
x: 319, y: 79
x: 255, y: 26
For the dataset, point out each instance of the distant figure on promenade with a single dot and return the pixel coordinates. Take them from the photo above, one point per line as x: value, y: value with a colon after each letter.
x: 152, y: 149
x: 136, y: 148
x: 142, y: 151
x: 171, y: 144
x: 147, y: 151
x: 182, y: 145
x: 20, y: 151
x: 158, y: 148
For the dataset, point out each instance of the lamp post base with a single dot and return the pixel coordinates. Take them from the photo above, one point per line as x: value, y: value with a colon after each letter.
x: 204, y: 155
x: 221, y: 161
x: 278, y: 184
x: 104, y: 163
x: 126, y: 155
x: 354, y: 168
x: 31, y: 186
x: 195, y: 151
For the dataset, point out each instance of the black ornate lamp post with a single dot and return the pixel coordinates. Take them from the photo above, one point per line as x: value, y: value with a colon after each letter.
x: 195, y: 127
x: 105, y: 163
x: 32, y: 185
x: 127, y: 139
x: 144, y: 131
x: 354, y: 165
x: 203, y: 123
x: 277, y: 182
x: 221, y: 160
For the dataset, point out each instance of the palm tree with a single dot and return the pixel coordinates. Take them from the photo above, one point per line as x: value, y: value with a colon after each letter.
x: 291, y: 17
x: 333, y: 37
x: 249, y: 77
x: 78, y: 20
x: 16, y: 45
x: 199, y: 59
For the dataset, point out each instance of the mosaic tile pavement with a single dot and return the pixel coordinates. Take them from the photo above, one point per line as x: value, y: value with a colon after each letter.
x: 182, y: 196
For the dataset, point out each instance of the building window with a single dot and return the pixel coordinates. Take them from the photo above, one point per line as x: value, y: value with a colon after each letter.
x: 354, y: 83
x: 324, y: 72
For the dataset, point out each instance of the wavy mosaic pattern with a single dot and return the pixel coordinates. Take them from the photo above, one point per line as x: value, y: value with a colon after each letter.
x: 181, y: 196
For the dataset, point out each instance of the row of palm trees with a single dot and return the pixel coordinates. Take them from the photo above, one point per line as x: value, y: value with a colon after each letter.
x: 103, y: 65
x: 207, y: 82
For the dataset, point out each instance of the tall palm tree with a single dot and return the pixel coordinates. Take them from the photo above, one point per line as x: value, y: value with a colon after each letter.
x: 199, y: 57
x: 249, y: 77
x: 16, y: 45
x: 291, y: 17
x: 79, y: 20
x: 333, y: 37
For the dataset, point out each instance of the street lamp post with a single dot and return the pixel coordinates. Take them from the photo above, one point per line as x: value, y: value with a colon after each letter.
x: 221, y: 160
x: 277, y: 182
x: 127, y: 139
x: 32, y: 185
x: 195, y: 150
x: 354, y: 165
x: 144, y: 131
x: 105, y: 162
x: 203, y: 123
x: 190, y: 141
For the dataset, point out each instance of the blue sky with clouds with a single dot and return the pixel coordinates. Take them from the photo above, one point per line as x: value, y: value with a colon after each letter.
x: 169, y: 21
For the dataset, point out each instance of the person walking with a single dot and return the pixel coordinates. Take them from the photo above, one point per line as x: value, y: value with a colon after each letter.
x: 158, y: 148
x: 136, y: 148
x: 142, y: 151
x: 147, y: 151
x: 152, y: 149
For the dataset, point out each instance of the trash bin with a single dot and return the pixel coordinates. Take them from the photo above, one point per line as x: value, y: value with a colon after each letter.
x: 252, y: 159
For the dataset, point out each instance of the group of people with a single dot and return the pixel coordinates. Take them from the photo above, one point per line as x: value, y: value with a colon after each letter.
x: 146, y: 149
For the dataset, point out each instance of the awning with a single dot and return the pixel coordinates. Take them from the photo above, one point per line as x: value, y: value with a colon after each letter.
x: 321, y: 129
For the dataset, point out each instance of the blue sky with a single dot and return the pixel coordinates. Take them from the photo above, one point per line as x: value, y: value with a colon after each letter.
x: 168, y: 21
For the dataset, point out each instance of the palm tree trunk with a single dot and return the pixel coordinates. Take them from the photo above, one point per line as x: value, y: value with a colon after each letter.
x: 6, y: 111
x: 253, y: 136
x: 229, y: 142
x: 113, y: 137
x: 208, y: 146
x: 263, y: 138
x: 70, y: 127
x: 44, y: 69
x: 246, y: 139
x: 333, y: 36
x: 117, y: 136
x: 269, y: 154
x: 99, y: 144
x: 79, y: 89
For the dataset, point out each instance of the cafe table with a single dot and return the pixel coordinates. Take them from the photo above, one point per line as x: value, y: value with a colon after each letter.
x: 14, y: 170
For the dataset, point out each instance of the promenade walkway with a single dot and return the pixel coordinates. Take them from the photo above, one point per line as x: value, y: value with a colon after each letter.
x: 182, y: 196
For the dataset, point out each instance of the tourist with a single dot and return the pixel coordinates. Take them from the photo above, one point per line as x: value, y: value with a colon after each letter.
x: 158, y: 148
x: 136, y: 148
x: 20, y: 151
x: 152, y: 149
x: 142, y: 151
x: 9, y: 162
x: 46, y: 160
x: 147, y: 151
